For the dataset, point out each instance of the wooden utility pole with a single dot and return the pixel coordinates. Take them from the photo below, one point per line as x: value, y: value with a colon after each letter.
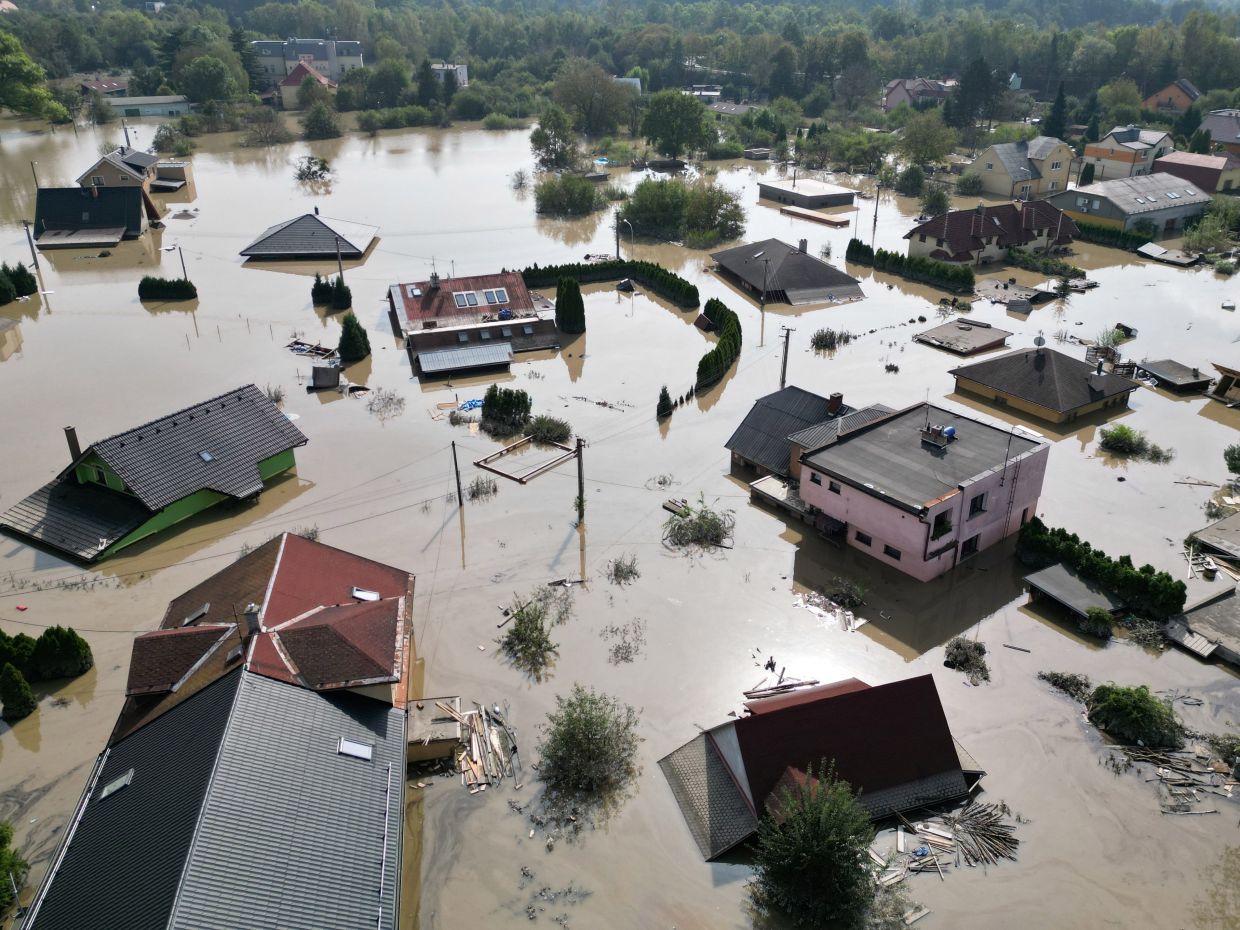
x: 783, y: 370
x: 617, y: 219
x: 339, y: 264
x: 460, y: 498
x: 184, y: 273
x: 34, y: 253
x: 35, y: 173
x: 581, y: 484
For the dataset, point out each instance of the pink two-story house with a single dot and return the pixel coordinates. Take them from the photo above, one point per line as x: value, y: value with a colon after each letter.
x: 924, y: 488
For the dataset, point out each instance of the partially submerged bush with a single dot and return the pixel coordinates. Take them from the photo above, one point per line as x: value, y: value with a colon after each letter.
x: 15, y: 694
x: 1135, y: 715
x: 1126, y: 441
x: 11, y: 864
x: 527, y: 641
x: 60, y: 652
x: 968, y: 656
x: 544, y: 428
x: 589, y: 747
x: 505, y: 411
x: 623, y: 569
x: 828, y: 340
x: 153, y: 288
x: 1074, y: 686
x: 482, y: 488
x: 1096, y: 622
x: 699, y: 526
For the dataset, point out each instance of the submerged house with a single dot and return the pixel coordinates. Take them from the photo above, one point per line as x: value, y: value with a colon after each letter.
x: 985, y: 233
x: 290, y: 86
x: 311, y: 237
x: 891, y: 743
x: 140, y: 482
x: 1159, y: 201
x: 258, y: 760
x: 91, y: 217
x: 1025, y: 170
x: 775, y: 272
x: 1127, y: 151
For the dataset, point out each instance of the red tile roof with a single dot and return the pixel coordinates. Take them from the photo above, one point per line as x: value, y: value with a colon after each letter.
x: 344, y: 646
x: 310, y: 574
x: 963, y: 231
x: 163, y: 659
x: 300, y: 73
x: 438, y: 303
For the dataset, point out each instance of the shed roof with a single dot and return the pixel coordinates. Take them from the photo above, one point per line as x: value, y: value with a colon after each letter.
x: 152, y: 100
x: 438, y: 361
x: 823, y: 434
x: 1223, y: 535
x: 1072, y: 591
x: 1173, y: 373
x: 1217, y: 618
x: 763, y: 436
x: 1047, y: 378
x: 312, y: 236
x: 778, y: 267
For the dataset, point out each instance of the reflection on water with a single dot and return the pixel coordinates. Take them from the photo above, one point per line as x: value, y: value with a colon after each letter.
x: 10, y: 338
x: 1218, y: 908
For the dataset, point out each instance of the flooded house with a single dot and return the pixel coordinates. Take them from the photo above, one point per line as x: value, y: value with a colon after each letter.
x: 1210, y: 627
x: 154, y: 105
x: 1227, y: 388
x: 286, y: 673
x: 90, y: 217
x: 809, y: 193
x: 311, y: 237
x: 1127, y: 151
x: 1025, y: 170
x: 1045, y: 384
x: 916, y: 92
x: 1214, y: 174
x: 1224, y: 128
x: 986, y: 233
x: 129, y: 486
x: 965, y: 337
x: 891, y: 743
x: 290, y: 85
x: 107, y: 87
x: 1160, y: 201
x: 775, y: 272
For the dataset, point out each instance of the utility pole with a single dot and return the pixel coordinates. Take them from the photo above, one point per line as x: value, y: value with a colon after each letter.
x: 35, y: 173
x: 339, y: 264
x: 460, y: 498
x: 184, y: 273
x: 617, y: 220
x: 34, y: 254
x: 783, y: 370
x: 581, y: 484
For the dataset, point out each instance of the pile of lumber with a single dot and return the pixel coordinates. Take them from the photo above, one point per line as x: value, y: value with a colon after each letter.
x: 488, y: 751
x: 977, y: 834
x: 1184, y: 776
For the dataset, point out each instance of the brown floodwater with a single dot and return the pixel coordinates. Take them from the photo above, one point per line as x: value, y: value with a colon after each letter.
x: 1096, y: 852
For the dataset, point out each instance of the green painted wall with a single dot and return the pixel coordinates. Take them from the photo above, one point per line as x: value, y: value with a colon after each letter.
x: 197, y: 502
x: 94, y: 470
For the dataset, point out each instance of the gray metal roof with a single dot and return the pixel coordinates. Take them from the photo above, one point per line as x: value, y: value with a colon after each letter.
x: 1223, y: 126
x: 80, y: 520
x: 122, y: 102
x: 1047, y: 378
x: 1015, y: 159
x: 763, y: 436
x: 889, y: 460
x: 715, y: 810
x: 823, y: 434
x: 1223, y: 535
x: 780, y: 267
x: 1143, y: 193
x: 1217, y: 619
x: 1175, y: 374
x: 456, y: 359
x: 1070, y: 589
x: 312, y: 236
x: 242, y: 813
x: 164, y: 461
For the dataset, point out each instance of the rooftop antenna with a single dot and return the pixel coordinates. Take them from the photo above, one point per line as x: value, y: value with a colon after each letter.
x: 1039, y: 340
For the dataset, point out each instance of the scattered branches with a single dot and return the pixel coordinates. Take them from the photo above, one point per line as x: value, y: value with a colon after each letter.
x: 385, y: 404
x: 968, y: 656
x: 623, y: 569
x: 627, y: 641
x: 1074, y: 686
x: 699, y: 526
x: 527, y: 641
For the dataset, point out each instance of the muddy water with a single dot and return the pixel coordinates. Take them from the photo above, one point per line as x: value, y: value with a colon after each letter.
x: 91, y: 354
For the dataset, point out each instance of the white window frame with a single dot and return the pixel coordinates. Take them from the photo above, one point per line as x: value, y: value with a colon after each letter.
x: 459, y: 299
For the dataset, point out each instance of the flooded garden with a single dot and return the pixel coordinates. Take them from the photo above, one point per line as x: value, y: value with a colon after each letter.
x: 694, y: 628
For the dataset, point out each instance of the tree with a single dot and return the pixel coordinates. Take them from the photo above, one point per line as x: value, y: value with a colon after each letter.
x: 676, y: 122
x: 589, y: 748
x: 664, y: 409
x: 59, y: 652
x: 240, y: 42
x: 1056, y: 122
x: 207, y: 78
x: 1087, y: 175
x: 927, y: 138
x: 1231, y: 456
x: 311, y: 91
x: 594, y: 99
x: 342, y: 299
x: 320, y: 291
x: 388, y: 84
x: 23, y: 85
x: 911, y: 181
x: 448, y: 90
x: 977, y: 93
x: 428, y: 87
x: 810, y: 864
x: 1200, y: 142
x: 552, y: 140
x: 24, y: 283
x: 934, y: 201
x: 11, y: 863
x: 505, y: 411
x: 1135, y: 715
x: 15, y: 694
x: 320, y: 123
x: 16, y: 650
x: 354, y: 343
x: 570, y: 309
x: 1092, y: 129
x: 1121, y: 101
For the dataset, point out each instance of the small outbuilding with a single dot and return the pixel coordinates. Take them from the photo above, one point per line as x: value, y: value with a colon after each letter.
x: 1210, y: 627
x: 1176, y: 377
x: 160, y: 105
x: 965, y: 337
x: 496, y: 356
x: 1068, y: 589
x: 1220, y: 539
x: 805, y: 192
x: 775, y: 272
x: 311, y: 237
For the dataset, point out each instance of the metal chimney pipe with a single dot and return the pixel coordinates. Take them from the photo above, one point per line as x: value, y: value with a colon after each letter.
x: 75, y: 448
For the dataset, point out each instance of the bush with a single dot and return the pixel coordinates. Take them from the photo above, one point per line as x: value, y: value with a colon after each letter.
x: 1107, y: 235
x: 722, y: 151
x: 811, y: 864
x: 354, y: 343
x: 372, y: 121
x: 1074, y: 686
x: 969, y: 184
x: 700, y: 214
x: 1134, y: 715
x: 59, y: 652
x: 570, y: 309
x: 151, y: 288
x: 1152, y: 593
x: 496, y: 121
x: 320, y: 122
x: 714, y: 364
x: 1225, y: 268
x: 544, y: 428
x: 15, y: 694
x: 527, y: 641
x: 699, y: 526
x: 664, y: 407
x: 11, y: 863
x: 655, y: 277
x: 911, y: 181
x: 1126, y: 441
x: 16, y: 650
x: 342, y: 298
x: 1096, y: 622
x: 934, y: 201
x: 566, y: 195
x: 589, y: 747
x: 1046, y: 264
x: 968, y: 656
x: 505, y: 411
x: 917, y: 268
x: 828, y: 340
x: 24, y: 283
x: 859, y: 253
x: 320, y: 291
x: 8, y: 292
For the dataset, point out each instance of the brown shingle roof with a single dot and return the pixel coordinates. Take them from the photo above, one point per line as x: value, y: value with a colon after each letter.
x: 963, y: 231
x: 343, y: 646
x: 439, y: 303
x: 163, y: 659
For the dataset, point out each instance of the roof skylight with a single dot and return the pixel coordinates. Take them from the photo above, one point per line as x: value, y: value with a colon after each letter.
x: 116, y: 785
x: 348, y: 747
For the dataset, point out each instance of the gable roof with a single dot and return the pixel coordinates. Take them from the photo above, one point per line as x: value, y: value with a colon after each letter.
x: 1047, y: 378
x: 301, y: 72
x: 1223, y: 126
x: 965, y: 231
x: 762, y: 437
x: 312, y: 236
x: 216, y: 444
x: 123, y: 159
x: 1020, y: 159
x: 1186, y: 86
x: 75, y: 518
x: 104, y: 86
x: 88, y: 208
x: 1142, y: 193
x: 784, y: 268
x: 1136, y: 139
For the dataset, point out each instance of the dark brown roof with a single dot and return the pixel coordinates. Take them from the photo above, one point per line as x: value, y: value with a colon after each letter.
x: 963, y: 231
x: 341, y: 646
x: 163, y: 659
x: 878, y: 738
x: 1046, y: 378
x: 228, y: 592
x: 424, y: 303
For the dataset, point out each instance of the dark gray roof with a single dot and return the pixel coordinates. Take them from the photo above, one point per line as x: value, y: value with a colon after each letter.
x: 436, y: 361
x: 1223, y: 535
x: 242, y: 813
x: 889, y: 460
x: 1015, y: 159
x: 1046, y: 378
x: 1173, y: 373
x: 162, y: 461
x: 1223, y: 126
x: 762, y: 437
x: 81, y: 520
x: 87, y: 208
x: 823, y: 434
x: 312, y: 236
x: 1070, y: 589
x: 784, y: 268
x: 1217, y: 618
x: 715, y: 809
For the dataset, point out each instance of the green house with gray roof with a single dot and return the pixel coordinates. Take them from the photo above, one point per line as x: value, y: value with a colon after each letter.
x: 145, y: 480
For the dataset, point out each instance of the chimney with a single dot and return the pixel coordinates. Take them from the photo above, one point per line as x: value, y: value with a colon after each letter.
x: 981, y: 208
x: 252, y: 624
x: 802, y: 246
x: 834, y: 403
x: 434, y: 280
x: 1099, y: 371
x: 75, y: 448
x: 316, y: 211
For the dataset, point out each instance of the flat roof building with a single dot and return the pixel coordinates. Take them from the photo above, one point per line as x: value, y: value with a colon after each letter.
x: 805, y: 192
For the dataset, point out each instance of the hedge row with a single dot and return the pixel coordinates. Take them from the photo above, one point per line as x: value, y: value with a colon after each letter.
x: 916, y: 268
x: 655, y: 277
x: 1046, y: 264
x: 715, y: 363
x: 1108, y: 235
x: 1144, y: 590
x: 150, y: 288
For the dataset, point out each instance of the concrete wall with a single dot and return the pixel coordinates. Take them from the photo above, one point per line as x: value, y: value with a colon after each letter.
x: 1001, y: 399
x: 909, y: 534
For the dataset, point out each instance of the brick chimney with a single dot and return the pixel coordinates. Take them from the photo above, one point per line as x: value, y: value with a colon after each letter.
x: 834, y: 403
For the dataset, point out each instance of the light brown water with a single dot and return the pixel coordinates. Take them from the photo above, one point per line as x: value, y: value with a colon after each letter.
x: 1097, y: 852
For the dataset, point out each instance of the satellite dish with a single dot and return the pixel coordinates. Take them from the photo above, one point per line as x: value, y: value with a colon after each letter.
x: 1039, y: 340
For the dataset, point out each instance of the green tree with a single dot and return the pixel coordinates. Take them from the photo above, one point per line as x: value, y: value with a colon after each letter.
x: 11, y: 863
x: 676, y: 122
x: 589, y: 750
x: 1135, y: 715
x: 320, y: 291
x: 320, y: 123
x: 570, y: 309
x: 911, y: 182
x: 553, y: 142
x: 1087, y: 175
x: 59, y: 652
x: 1093, y: 129
x: 311, y: 91
x: 1200, y: 142
x: 934, y: 201
x: 1056, y: 122
x: 596, y: 102
x: 1231, y: 456
x: 354, y: 343
x: 240, y: 42
x: 664, y: 408
x: 15, y: 694
x: 505, y: 411
x: 388, y: 84
x: 23, y: 86
x: 24, y: 283
x: 342, y: 297
x: 207, y: 78
x: 927, y: 139
x: 16, y: 650
x: 428, y: 86
x: 810, y: 864
x: 8, y: 292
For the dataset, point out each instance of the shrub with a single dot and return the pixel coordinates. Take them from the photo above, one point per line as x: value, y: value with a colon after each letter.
x: 11, y: 864
x: 1107, y: 235
x: 1074, y: 686
x: 934, y: 201
x: 544, y: 428
x: 566, y: 195
x: 699, y: 526
x: 968, y: 656
x: 714, y: 364
x: 59, y: 652
x: 911, y: 181
x: 589, y: 747
x: 372, y: 121
x: 1225, y: 268
x: 505, y: 411
x: 320, y: 291
x: 664, y: 407
x: 496, y: 121
x: 1126, y: 441
x: 917, y: 268
x: 720, y: 151
x: 312, y: 168
x: 320, y: 122
x: 16, y: 650
x: 700, y: 214
x: 342, y: 298
x: 24, y: 283
x: 1046, y: 264
x: 354, y: 343
x: 1096, y: 622
x: 623, y: 569
x: 570, y: 309
x: 828, y: 340
x: 655, y: 277
x: 811, y: 864
x: 151, y: 288
x: 859, y: 252
x: 8, y: 292
x: 969, y: 184
x: 1135, y: 716
x: 15, y: 694
x: 1231, y: 458
x: 527, y: 641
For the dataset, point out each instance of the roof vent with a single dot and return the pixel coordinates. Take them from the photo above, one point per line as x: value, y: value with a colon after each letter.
x: 363, y: 594
x: 234, y: 654
x: 938, y: 436
x: 206, y: 456
x: 116, y: 785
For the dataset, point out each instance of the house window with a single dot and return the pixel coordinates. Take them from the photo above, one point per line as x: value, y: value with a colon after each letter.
x: 1054, y: 186
x: 922, y: 237
x: 977, y: 505
x: 462, y: 337
x: 472, y: 299
x: 939, y: 243
x: 864, y: 538
x: 124, y: 177
x: 990, y: 166
x: 969, y: 547
x: 891, y: 552
x: 97, y: 180
x: 833, y: 487
x: 815, y: 478
x: 459, y: 299
x: 484, y: 335
x: 1024, y: 191
x: 528, y: 330
x: 942, y: 524
x: 506, y: 332
x: 1056, y: 165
